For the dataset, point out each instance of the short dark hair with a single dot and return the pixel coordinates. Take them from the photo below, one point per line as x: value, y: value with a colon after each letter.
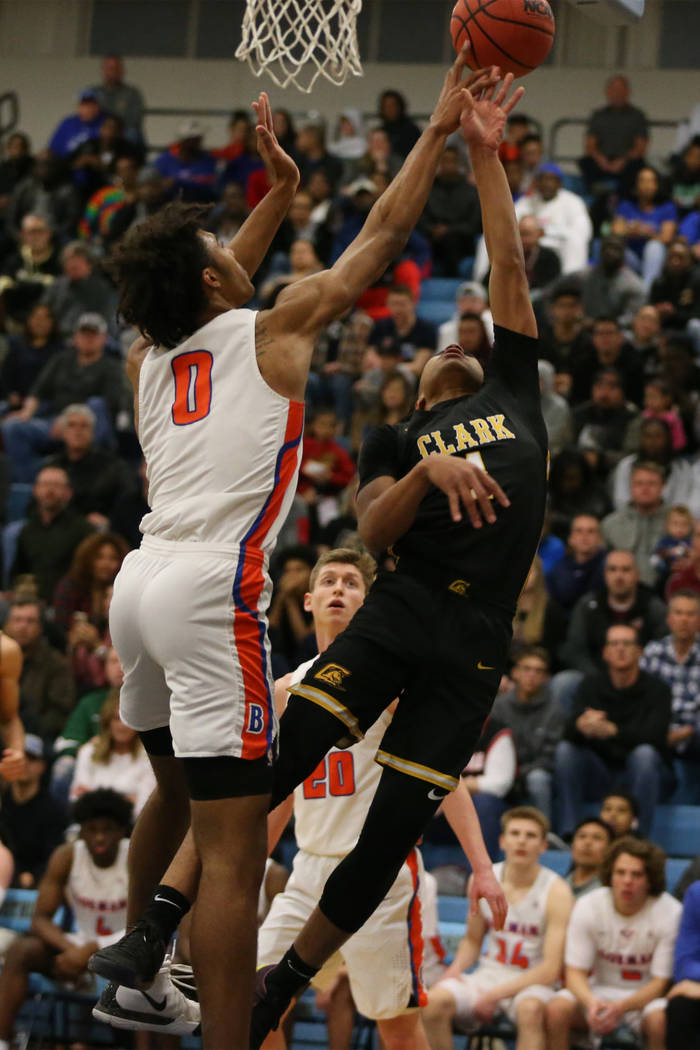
x: 533, y: 651
x: 635, y: 631
x: 103, y: 803
x: 594, y: 820
x: 158, y: 266
x: 606, y: 319
x: 531, y: 137
x: 401, y: 289
x: 653, y: 858
x: 566, y: 291
x: 613, y: 372
x: 629, y: 799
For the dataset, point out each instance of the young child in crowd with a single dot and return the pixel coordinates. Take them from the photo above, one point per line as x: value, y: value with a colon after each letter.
x: 658, y: 404
x: 674, y: 544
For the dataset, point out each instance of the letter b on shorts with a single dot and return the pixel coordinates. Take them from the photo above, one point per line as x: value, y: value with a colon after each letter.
x: 256, y: 719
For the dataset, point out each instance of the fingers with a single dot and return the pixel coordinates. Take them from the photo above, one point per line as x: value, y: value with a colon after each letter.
x: 503, y: 90
x: 513, y: 100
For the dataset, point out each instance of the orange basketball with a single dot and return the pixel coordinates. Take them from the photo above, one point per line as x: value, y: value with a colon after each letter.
x: 516, y: 35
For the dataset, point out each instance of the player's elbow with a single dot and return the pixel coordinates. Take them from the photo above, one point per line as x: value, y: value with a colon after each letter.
x: 372, y: 538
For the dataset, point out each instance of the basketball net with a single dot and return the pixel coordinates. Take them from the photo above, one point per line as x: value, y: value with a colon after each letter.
x: 297, y: 41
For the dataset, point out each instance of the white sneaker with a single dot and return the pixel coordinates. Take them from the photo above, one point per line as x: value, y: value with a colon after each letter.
x: 163, y: 1008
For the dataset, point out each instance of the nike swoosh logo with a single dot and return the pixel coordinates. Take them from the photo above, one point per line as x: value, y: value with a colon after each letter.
x: 479, y: 667
x: 437, y: 797
x: 159, y: 1006
x: 164, y: 900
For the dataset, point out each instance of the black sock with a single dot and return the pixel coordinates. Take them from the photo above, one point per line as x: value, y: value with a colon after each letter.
x: 166, y: 911
x: 291, y: 974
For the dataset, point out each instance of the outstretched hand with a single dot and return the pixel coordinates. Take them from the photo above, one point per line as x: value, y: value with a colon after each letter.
x: 280, y: 166
x: 483, y: 118
x: 456, y: 91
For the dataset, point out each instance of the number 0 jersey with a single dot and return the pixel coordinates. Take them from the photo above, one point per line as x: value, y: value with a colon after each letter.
x: 222, y: 448
x: 519, y: 945
x: 623, y: 951
x: 330, y: 806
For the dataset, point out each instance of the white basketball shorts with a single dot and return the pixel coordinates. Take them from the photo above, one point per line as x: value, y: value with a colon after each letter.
x: 383, y: 958
x: 189, y: 624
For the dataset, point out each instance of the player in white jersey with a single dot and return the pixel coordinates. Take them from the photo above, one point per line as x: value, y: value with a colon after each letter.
x: 90, y: 876
x: 188, y: 613
x: 520, y: 963
x: 619, y: 952
x: 384, y: 958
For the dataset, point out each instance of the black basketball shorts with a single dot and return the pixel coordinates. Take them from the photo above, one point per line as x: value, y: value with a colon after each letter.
x: 440, y: 650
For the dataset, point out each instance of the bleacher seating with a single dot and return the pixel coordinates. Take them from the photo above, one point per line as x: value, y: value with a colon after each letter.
x: 677, y: 830
x: 436, y: 311
x: 440, y: 289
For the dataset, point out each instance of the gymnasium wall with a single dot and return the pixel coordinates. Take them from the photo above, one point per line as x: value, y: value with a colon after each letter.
x: 45, y: 45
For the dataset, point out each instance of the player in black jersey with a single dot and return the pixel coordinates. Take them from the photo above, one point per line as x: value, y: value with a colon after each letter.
x: 458, y: 493
x: 437, y: 631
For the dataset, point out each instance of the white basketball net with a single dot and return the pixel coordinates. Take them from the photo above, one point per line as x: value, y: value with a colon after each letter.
x: 296, y: 41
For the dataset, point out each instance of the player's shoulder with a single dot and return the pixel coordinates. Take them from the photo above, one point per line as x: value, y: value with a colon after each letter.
x: 559, y: 893
x: 594, y: 903
x: 506, y: 338
x: 665, y: 907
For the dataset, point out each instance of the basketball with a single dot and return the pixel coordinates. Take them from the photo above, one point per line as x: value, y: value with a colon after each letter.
x: 516, y: 35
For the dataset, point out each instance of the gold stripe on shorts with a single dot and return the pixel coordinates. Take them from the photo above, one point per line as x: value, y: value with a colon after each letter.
x: 330, y: 704
x: 414, y: 769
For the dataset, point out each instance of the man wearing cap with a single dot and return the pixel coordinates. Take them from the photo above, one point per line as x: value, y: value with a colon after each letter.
x: 562, y: 215
x: 186, y: 167
x: 81, y: 374
x: 32, y: 821
x: 79, y: 126
x: 471, y: 297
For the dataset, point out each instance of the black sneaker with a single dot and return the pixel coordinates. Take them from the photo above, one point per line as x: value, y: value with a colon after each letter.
x: 133, y: 961
x: 270, y: 1004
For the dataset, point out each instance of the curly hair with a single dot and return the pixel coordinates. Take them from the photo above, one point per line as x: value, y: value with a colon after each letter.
x: 103, y: 803
x: 157, y: 266
x: 86, y: 552
x: 653, y: 858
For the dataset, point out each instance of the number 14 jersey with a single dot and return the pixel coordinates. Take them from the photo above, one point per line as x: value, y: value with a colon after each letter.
x: 222, y: 448
x: 519, y: 945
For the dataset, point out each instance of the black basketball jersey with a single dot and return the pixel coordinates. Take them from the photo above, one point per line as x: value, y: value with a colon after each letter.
x: 501, y: 428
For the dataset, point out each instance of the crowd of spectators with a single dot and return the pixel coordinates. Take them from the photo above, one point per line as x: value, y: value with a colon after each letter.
x: 604, y: 689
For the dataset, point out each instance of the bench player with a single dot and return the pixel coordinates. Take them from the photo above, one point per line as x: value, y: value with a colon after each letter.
x: 219, y: 399
x: 522, y: 961
x: 384, y: 958
x: 619, y: 951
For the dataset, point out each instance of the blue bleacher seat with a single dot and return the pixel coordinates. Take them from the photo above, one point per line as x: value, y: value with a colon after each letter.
x: 675, y: 866
x: 17, y: 910
x: 436, y: 311
x: 18, y: 500
x: 440, y: 288
x: 677, y: 830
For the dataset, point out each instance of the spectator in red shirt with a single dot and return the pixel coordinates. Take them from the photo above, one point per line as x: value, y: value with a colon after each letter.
x: 326, y: 468
x: 687, y: 576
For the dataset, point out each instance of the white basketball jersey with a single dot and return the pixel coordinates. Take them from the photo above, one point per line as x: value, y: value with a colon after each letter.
x: 622, y: 951
x: 222, y: 448
x: 330, y: 806
x: 98, y: 895
x: 519, y: 945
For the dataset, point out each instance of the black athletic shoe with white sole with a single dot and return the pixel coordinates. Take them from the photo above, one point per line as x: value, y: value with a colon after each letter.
x: 133, y: 961
x: 268, y: 1008
x: 163, y: 1008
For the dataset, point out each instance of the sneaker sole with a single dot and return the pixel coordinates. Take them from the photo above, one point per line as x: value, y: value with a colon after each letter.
x: 119, y: 974
x: 144, y: 1023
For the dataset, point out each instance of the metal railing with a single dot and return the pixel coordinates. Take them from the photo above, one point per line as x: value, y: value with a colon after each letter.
x: 566, y: 123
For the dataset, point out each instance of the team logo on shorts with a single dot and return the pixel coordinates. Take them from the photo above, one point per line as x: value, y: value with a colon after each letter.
x: 256, y: 719
x: 459, y: 587
x: 333, y: 674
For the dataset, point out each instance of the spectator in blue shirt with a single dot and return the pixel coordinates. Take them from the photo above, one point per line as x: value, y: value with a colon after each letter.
x: 416, y: 338
x: 582, y: 569
x: 79, y: 127
x: 683, y: 1009
x: 647, y: 224
x: 675, y: 659
x: 188, y: 168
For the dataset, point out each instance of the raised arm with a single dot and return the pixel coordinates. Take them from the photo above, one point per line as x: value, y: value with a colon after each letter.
x: 251, y: 243
x: 303, y: 309
x: 482, y: 122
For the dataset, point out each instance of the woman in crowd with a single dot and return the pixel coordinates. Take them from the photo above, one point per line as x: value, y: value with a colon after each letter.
x: 574, y: 489
x: 96, y: 562
x: 114, y: 759
x: 27, y: 354
x: 647, y: 223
